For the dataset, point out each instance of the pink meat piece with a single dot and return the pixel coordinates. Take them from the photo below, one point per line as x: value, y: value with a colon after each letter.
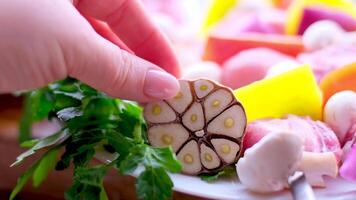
x: 250, y: 65
x: 317, y: 136
x: 328, y: 59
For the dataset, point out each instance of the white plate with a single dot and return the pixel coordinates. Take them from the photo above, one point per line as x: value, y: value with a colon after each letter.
x: 232, y: 189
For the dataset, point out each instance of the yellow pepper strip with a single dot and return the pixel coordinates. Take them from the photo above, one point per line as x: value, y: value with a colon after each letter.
x: 293, y: 92
x: 217, y: 11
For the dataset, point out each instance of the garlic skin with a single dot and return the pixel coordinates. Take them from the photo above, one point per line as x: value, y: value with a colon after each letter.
x: 340, y: 114
x: 267, y: 165
x: 322, y: 34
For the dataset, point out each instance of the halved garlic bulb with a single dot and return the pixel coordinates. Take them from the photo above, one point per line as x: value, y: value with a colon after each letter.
x: 204, y: 124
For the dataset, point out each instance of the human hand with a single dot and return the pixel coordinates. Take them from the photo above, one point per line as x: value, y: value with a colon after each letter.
x: 42, y: 41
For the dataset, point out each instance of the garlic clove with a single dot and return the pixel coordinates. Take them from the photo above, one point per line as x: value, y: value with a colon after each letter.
x: 226, y: 149
x: 229, y: 123
x: 159, y: 112
x: 208, y: 157
x: 183, y: 98
x: 193, y: 119
x: 189, y: 156
x: 168, y: 134
x: 203, y: 87
x: 216, y: 102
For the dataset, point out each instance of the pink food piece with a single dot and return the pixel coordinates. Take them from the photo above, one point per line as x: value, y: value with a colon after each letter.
x: 347, y: 170
x: 340, y: 115
x: 269, y: 21
x: 328, y: 59
x: 313, y: 14
x: 317, y: 137
x: 249, y: 66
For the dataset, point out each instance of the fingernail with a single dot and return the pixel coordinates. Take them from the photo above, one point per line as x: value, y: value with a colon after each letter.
x: 160, y: 85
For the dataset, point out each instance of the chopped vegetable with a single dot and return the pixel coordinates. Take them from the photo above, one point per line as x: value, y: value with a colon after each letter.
x: 293, y: 92
x: 338, y: 80
x: 220, y: 48
x: 93, y: 121
x: 322, y: 34
x: 295, y: 11
x: 204, y: 124
x: 340, y: 114
x: 216, y: 12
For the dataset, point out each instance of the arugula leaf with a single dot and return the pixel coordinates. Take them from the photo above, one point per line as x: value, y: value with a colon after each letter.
x: 154, y: 183
x: 227, y: 172
x: 46, y: 164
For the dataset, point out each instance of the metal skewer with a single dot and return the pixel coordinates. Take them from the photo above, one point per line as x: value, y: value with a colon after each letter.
x: 300, y: 188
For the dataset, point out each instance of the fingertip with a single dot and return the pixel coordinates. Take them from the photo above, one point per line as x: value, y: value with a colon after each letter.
x: 160, y: 85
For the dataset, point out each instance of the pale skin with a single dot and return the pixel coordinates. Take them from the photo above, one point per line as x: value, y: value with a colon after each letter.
x: 42, y: 41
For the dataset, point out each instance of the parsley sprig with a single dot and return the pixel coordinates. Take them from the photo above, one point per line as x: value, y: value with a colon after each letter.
x: 91, y: 119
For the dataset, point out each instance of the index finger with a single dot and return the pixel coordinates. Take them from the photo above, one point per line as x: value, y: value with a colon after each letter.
x: 129, y: 20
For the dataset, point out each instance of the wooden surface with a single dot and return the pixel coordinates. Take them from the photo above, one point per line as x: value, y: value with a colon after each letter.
x: 118, y: 187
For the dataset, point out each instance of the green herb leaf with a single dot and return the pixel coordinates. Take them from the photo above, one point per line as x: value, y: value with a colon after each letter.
x: 103, y: 195
x: 91, y: 118
x: 88, y: 184
x: 43, y: 143
x: 22, y: 180
x: 46, y: 164
x: 227, y: 172
x: 39, y: 170
x: 69, y: 113
x: 26, y: 120
x: 131, y: 120
x: 29, y: 143
x: 150, y: 157
x: 37, y: 105
x: 153, y: 184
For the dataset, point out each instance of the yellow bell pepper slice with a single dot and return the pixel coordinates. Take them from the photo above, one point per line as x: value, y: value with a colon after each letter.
x: 294, y: 13
x: 293, y: 92
x: 216, y: 12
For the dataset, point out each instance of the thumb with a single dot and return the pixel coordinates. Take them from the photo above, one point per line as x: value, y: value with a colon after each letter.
x: 118, y: 73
